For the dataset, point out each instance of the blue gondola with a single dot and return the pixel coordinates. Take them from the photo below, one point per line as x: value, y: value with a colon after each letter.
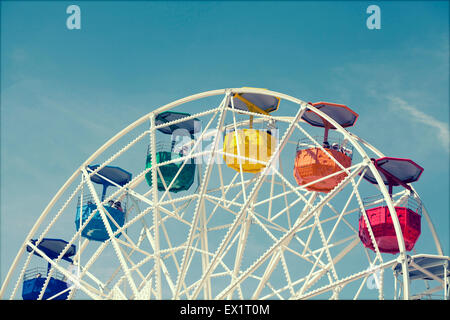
x: 34, y: 279
x: 95, y: 229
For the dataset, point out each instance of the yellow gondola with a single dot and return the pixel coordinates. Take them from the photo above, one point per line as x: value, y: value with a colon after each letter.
x: 250, y: 148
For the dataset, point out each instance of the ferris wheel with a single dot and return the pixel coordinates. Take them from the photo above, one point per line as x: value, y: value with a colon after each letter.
x: 240, y: 193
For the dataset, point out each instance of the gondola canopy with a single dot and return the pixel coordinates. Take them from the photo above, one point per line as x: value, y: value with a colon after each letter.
x: 340, y: 113
x: 52, y: 248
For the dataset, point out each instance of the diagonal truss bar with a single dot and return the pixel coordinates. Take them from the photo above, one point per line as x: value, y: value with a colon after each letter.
x: 298, y: 224
x: 110, y: 232
x: 252, y: 195
x: 200, y: 201
x: 276, y: 257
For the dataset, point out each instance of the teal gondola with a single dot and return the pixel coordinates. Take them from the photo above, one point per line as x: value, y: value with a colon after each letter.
x: 169, y: 152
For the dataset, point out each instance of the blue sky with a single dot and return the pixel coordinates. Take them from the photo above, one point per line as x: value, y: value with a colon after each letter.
x: 65, y: 92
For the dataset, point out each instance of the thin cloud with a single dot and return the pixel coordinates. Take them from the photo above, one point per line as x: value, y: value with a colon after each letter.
x: 441, y: 128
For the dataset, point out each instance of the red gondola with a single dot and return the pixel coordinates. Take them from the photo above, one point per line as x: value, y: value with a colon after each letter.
x: 395, y: 172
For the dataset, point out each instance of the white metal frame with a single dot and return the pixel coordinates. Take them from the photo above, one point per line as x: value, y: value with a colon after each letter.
x: 160, y: 283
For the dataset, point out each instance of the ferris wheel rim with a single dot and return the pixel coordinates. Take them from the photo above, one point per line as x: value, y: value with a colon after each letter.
x: 353, y: 139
